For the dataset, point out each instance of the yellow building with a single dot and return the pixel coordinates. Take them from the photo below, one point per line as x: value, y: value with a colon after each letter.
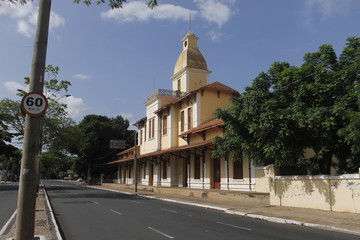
x: 176, y: 138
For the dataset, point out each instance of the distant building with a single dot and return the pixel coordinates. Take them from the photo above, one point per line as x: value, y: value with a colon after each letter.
x: 176, y: 138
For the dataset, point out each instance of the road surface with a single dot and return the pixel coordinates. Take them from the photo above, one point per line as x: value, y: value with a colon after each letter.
x: 88, y: 213
x: 8, y: 201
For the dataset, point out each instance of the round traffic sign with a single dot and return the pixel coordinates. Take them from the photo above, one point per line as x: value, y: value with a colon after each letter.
x: 34, y: 104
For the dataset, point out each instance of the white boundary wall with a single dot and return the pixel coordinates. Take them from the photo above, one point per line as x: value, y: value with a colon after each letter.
x: 326, y: 192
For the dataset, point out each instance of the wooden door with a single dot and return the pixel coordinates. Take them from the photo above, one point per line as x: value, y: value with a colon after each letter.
x: 216, y: 173
x: 151, y: 174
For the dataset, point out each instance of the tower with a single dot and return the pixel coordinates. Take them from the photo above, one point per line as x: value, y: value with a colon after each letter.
x: 190, y: 71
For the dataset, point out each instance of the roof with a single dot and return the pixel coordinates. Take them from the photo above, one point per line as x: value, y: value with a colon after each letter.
x: 166, y: 151
x: 139, y: 121
x: 208, y: 125
x: 214, y: 86
x: 217, y: 86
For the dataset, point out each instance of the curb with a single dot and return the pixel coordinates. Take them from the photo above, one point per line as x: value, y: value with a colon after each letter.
x: 243, y: 214
x: 58, y: 235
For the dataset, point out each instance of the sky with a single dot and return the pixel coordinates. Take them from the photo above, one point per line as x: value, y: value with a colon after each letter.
x: 114, y: 59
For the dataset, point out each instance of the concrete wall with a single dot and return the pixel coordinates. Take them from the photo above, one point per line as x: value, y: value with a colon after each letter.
x: 331, y: 193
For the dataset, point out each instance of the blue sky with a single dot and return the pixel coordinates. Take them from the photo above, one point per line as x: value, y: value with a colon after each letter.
x: 116, y: 58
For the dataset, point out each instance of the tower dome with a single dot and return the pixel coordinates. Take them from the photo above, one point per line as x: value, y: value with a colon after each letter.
x: 190, y: 57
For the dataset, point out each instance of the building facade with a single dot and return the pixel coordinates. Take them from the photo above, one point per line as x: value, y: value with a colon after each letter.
x: 176, y: 137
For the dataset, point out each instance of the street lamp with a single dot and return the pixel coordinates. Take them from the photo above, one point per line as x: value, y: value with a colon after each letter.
x: 66, y: 95
x: 20, y: 90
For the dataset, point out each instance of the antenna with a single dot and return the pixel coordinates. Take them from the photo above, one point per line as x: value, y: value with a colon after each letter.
x: 190, y: 20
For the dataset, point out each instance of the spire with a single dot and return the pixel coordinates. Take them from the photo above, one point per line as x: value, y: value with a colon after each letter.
x: 190, y: 21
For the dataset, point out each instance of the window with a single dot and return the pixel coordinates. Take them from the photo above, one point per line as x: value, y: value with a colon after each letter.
x: 151, y: 128
x: 140, y: 136
x: 197, y: 167
x: 238, y: 169
x: 144, y: 168
x: 145, y: 132
x: 182, y: 124
x: 164, y: 125
x: 179, y: 85
x: 189, y: 118
x: 164, y: 173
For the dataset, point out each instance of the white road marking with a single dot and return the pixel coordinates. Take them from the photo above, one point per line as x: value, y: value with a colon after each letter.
x: 161, y: 233
x: 168, y: 210
x: 230, y: 225
x: 95, y: 202
x: 136, y: 201
x: 7, y: 224
x: 115, y: 212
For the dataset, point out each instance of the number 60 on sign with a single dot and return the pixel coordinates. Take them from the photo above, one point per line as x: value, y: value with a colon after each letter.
x: 34, y: 104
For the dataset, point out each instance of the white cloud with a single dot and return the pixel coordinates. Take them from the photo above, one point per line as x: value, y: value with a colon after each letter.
x: 24, y: 28
x: 13, y: 86
x: 136, y: 11
x: 56, y: 20
x: 323, y: 9
x: 26, y: 17
x: 127, y: 115
x: 215, y: 11
x: 75, y: 106
x: 215, y: 36
x: 80, y: 76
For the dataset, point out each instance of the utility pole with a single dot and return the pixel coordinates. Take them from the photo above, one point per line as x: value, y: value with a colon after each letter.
x: 25, y: 216
x: 135, y: 164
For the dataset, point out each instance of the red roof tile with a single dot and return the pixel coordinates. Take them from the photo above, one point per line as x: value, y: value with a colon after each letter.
x: 166, y: 151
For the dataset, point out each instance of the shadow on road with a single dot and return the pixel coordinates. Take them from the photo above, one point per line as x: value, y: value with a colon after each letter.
x: 9, y: 187
x: 89, y: 193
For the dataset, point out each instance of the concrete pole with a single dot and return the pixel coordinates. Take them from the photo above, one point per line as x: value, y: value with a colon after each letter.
x: 135, y: 164
x: 25, y: 217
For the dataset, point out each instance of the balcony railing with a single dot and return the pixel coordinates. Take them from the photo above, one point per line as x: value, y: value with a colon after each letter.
x: 165, y: 92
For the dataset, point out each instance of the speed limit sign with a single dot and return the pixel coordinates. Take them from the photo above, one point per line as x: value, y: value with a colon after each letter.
x: 34, y: 104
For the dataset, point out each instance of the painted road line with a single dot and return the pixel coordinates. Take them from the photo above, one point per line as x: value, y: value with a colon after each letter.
x: 234, y: 226
x: 7, y: 224
x: 168, y: 210
x: 161, y: 233
x: 116, y: 212
x: 135, y: 201
x: 95, y: 202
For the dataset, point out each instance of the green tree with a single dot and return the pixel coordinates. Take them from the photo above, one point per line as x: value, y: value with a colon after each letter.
x: 289, y: 109
x: 54, y: 121
x: 93, y: 149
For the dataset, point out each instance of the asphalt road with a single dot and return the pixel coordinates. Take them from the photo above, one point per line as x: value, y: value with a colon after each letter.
x: 88, y: 213
x: 8, y: 201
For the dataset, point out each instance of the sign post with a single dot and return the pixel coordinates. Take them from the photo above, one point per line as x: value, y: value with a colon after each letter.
x: 25, y: 216
x: 117, y: 144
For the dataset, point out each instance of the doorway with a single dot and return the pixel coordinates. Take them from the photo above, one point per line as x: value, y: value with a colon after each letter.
x: 151, y: 174
x: 216, y: 174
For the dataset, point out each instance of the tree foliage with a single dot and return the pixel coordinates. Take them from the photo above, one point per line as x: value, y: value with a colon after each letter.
x: 94, y: 135
x: 289, y: 109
